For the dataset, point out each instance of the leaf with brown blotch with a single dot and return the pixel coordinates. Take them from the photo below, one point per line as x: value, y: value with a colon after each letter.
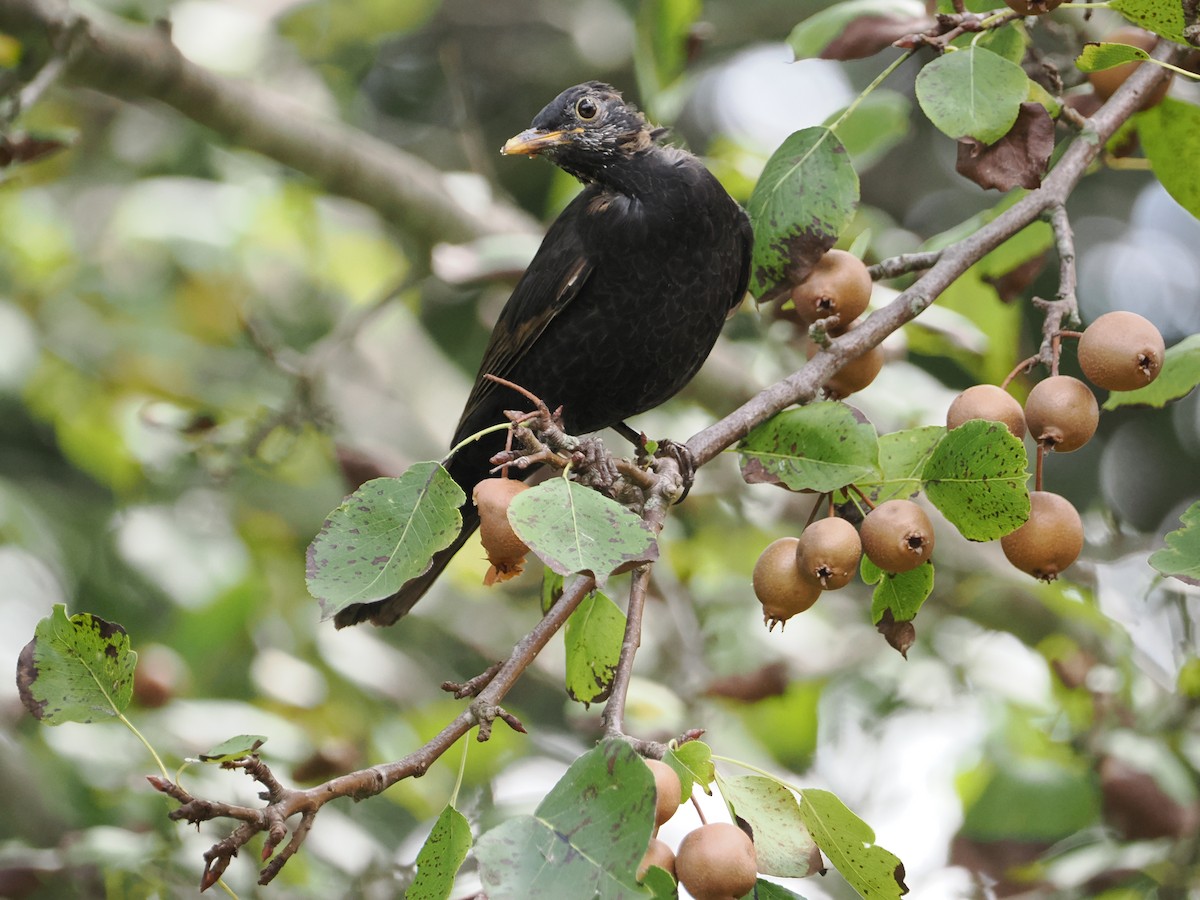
x: 1016, y: 160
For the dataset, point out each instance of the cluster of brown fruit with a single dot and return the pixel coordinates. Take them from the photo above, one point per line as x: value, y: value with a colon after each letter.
x: 505, y: 551
x: 716, y: 861
x: 1120, y: 351
x: 839, y: 285
x: 792, y: 572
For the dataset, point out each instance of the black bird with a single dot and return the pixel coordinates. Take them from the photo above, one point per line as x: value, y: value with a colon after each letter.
x: 622, y: 303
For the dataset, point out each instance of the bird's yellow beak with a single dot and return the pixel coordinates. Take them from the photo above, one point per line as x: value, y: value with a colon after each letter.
x: 533, y: 141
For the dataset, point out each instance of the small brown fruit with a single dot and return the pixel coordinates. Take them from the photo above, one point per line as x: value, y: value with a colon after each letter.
x: 839, y: 285
x: 1032, y: 7
x: 778, y: 585
x: 897, y: 536
x: 1062, y: 413
x: 828, y: 553
x: 1106, y: 81
x: 987, y: 401
x: 854, y: 375
x: 1121, y: 351
x: 657, y: 854
x: 717, y: 862
x: 1050, y: 541
x: 667, y: 790
x: 505, y: 551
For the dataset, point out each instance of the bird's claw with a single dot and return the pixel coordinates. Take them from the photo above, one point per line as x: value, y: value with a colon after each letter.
x: 684, y: 459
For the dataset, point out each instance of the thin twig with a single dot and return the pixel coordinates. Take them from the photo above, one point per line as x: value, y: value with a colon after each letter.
x: 903, y: 264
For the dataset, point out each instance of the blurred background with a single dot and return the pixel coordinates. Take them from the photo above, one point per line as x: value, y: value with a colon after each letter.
x: 200, y: 350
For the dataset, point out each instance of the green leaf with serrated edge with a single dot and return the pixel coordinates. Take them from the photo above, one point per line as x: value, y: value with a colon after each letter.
x: 574, y: 529
x: 804, y: 199
x: 1180, y: 558
x: 972, y: 93
x: 585, y: 839
x: 441, y: 856
x: 1163, y: 17
x: 692, y: 762
x: 1178, y: 377
x: 902, y: 592
x: 593, y: 639
x: 820, y: 447
x: 1170, y: 135
x: 382, y: 535
x: 769, y: 890
x: 880, y: 121
x: 902, y: 458
x: 818, y: 31
x: 976, y: 477
x: 234, y: 748
x: 849, y: 844
x: 782, y: 844
x: 1099, y: 55
x: 76, y: 669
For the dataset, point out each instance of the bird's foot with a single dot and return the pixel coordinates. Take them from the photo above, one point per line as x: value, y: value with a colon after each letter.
x: 594, y: 464
x: 684, y: 459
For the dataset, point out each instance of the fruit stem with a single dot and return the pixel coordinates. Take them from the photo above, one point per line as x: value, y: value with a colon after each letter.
x: 865, y: 499
x: 699, y: 811
x: 1041, y: 455
x: 1071, y: 334
x: 1025, y: 365
x: 812, y: 516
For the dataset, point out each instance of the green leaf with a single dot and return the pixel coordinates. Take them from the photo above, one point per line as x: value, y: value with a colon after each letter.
x: 880, y: 122
x: 782, y: 843
x: 1170, y: 134
x: 820, y: 447
x: 818, y: 31
x: 902, y: 459
x: 902, y: 592
x: 1179, y: 376
x: 1163, y: 17
x: 976, y: 477
x: 849, y: 844
x: 234, y: 748
x: 769, y: 890
x: 1098, y: 55
x: 804, y: 199
x: 441, y: 856
x: 593, y: 639
x: 972, y: 93
x: 585, y: 839
x: 382, y: 535
x: 692, y: 762
x: 574, y: 529
x: 76, y: 669
x: 869, y: 572
x: 1009, y: 41
x: 660, y: 884
x: 1180, y: 558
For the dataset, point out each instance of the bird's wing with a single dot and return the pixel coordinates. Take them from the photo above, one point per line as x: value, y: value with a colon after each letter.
x: 553, y: 279
x: 747, y: 248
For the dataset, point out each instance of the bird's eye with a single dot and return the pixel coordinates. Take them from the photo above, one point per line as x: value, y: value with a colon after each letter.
x: 586, y: 108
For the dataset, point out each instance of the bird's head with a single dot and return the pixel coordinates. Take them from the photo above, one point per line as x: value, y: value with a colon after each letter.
x: 584, y: 130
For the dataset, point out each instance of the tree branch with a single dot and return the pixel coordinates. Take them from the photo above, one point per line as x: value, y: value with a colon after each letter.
x: 141, y: 63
